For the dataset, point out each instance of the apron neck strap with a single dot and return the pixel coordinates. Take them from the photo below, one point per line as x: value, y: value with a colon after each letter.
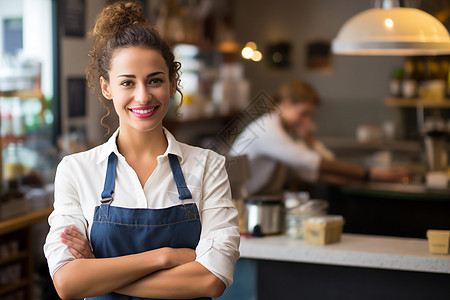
x: 183, y: 191
x: 108, y: 189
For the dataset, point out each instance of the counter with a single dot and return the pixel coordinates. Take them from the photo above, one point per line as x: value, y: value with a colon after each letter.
x: 390, y: 209
x: 354, y: 250
x: 399, y: 190
x: 358, y: 267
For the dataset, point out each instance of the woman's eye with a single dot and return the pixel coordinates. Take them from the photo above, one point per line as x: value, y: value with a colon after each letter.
x: 127, y: 83
x: 155, y: 81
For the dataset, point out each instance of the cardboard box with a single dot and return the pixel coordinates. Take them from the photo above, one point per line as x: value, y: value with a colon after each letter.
x: 438, y: 241
x: 323, y: 230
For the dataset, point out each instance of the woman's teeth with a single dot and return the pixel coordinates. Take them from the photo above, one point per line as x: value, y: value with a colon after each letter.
x: 143, y: 111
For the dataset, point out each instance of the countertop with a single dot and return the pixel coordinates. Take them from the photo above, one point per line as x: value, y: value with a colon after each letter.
x: 353, y: 250
x: 412, y: 189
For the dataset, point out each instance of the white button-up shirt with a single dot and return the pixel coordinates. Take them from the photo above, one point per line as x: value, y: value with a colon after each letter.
x: 266, y: 143
x: 79, y: 183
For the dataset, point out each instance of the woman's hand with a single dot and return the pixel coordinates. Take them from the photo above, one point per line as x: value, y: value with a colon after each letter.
x: 78, y: 244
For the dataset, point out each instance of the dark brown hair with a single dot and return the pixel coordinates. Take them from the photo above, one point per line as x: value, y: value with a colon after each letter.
x: 297, y: 91
x: 123, y: 25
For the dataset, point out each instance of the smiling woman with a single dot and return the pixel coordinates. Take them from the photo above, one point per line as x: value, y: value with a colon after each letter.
x: 140, y: 88
x: 143, y: 215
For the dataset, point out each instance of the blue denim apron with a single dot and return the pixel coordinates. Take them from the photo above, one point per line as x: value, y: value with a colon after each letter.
x: 118, y: 231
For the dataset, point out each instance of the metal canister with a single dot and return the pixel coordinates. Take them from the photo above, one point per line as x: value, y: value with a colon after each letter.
x: 264, y: 215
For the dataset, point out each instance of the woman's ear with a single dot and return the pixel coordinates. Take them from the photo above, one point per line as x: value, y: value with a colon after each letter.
x: 173, y: 87
x: 106, y: 91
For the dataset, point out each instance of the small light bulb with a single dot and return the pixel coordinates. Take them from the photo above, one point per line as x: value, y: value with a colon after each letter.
x: 389, y: 23
x: 247, y: 52
x: 251, y: 45
x: 277, y: 57
x: 257, y: 56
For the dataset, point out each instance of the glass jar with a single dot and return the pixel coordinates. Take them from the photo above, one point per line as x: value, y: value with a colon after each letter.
x: 296, y: 216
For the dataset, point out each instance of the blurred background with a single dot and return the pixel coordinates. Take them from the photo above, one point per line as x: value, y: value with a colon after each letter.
x: 234, y: 55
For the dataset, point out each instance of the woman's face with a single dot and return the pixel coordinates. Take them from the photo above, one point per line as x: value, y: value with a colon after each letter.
x: 140, y: 88
x: 298, y: 116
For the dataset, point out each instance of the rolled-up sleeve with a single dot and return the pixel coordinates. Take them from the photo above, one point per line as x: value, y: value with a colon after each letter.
x: 67, y: 211
x: 218, y: 248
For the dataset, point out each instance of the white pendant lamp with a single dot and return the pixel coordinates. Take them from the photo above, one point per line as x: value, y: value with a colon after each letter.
x: 392, y: 30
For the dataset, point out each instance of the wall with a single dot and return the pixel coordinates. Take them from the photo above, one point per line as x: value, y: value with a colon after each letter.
x: 74, y: 59
x: 352, y: 93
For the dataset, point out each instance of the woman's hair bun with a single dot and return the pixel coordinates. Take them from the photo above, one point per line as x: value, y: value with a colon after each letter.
x: 117, y: 17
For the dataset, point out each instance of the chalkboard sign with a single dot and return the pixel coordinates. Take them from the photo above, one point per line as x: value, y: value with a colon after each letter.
x: 74, y: 18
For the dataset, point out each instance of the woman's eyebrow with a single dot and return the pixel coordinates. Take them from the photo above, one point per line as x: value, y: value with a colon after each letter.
x: 155, y: 73
x: 134, y: 76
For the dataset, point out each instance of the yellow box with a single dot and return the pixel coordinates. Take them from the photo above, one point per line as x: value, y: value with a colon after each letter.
x: 323, y: 230
x: 438, y: 241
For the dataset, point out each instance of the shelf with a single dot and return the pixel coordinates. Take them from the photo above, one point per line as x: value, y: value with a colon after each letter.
x: 416, y: 102
x: 342, y: 143
x: 27, y: 95
x: 25, y: 220
x: 22, y: 94
x: 17, y: 257
x: 20, y: 227
x: 9, y: 288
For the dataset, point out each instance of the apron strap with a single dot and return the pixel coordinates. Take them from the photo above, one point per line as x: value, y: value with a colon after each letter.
x: 108, y: 189
x: 183, y: 191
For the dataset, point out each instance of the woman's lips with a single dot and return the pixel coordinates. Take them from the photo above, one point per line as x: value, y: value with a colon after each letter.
x: 143, y: 112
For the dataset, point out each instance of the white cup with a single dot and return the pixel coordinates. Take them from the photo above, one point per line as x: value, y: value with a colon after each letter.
x: 437, y: 180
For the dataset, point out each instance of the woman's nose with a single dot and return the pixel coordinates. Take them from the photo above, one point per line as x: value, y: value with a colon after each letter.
x: 142, y: 95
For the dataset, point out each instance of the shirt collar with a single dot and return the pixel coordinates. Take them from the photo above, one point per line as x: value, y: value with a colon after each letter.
x: 173, y: 147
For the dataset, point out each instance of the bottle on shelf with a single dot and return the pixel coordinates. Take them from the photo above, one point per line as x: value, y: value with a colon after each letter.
x: 18, y: 120
x: 433, y: 85
x: 409, y: 84
x: 395, y: 83
x: 420, y: 67
x: 6, y: 121
x: 12, y: 172
x: 6, y: 128
x: 446, y: 71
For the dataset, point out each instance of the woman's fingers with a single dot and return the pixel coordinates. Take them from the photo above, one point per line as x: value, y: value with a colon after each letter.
x: 70, y: 240
x: 73, y: 232
x: 76, y: 254
x: 77, y: 242
x: 73, y: 246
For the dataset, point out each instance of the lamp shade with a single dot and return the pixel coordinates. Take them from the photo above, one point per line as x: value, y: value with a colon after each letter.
x: 394, y: 31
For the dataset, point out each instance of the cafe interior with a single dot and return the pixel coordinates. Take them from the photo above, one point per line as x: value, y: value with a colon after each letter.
x: 381, y: 69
